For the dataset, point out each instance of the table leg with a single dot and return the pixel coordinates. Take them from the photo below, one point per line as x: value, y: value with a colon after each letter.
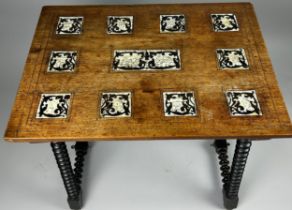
x: 221, y: 149
x: 232, y: 178
x: 71, y: 178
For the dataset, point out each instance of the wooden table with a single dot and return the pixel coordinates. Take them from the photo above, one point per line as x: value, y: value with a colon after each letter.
x: 191, y: 71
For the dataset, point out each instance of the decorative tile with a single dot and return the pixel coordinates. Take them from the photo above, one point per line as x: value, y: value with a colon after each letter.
x: 146, y: 60
x: 163, y: 59
x: 62, y: 61
x: 69, y: 25
x: 120, y: 24
x: 115, y: 104
x: 54, y: 105
x: 179, y: 104
x: 172, y: 23
x: 243, y: 103
x: 232, y: 59
x: 224, y: 22
x: 125, y: 60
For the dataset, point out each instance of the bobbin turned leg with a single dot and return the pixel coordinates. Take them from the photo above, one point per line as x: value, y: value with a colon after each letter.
x: 71, y: 180
x: 221, y: 147
x: 80, y: 150
x: 239, y: 161
x: 232, y: 179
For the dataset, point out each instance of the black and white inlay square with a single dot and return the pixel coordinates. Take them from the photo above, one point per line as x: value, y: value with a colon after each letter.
x: 243, y: 103
x: 116, y: 104
x: 172, y: 23
x: 69, y: 25
x: 146, y: 60
x: 224, y: 22
x: 54, y: 105
x: 179, y: 104
x: 120, y: 24
x: 232, y: 59
x: 62, y: 61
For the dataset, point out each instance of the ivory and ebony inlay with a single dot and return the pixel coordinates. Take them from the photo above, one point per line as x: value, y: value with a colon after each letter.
x: 62, y: 61
x: 243, y: 103
x: 224, y: 22
x: 179, y: 104
x: 232, y: 59
x: 69, y: 25
x: 54, y: 105
x: 119, y: 24
x: 116, y: 104
x: 172, y: 23
x: 146, y: 60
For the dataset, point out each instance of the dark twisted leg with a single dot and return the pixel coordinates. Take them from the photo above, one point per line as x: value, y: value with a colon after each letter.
x: 81, y: 151
x: 221, y: 149
x: 231, y: 180
x: 71, y: 180
x: 239, y: 161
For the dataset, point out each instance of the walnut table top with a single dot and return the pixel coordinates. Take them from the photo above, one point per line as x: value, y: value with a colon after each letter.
x: 148, y: 72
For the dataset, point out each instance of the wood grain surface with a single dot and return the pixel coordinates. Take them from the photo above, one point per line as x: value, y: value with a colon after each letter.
x: 199, y: 73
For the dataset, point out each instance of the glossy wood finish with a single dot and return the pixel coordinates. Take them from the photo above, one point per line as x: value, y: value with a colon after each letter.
x: 199, y: 73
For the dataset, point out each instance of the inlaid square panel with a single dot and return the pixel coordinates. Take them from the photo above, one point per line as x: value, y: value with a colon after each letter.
x: 146, y: 60
x: 116, y: 104
x: 163, y: 59
x: 224, y: 22
x: 54, y: 105
x: 119, y: 24
x: 62, y: 61
x: 172, y: 23
x: 232, y: 59
x: 179, y: 104
x: 128, y: 60
x: 69, y: 25
x: 243, y: 103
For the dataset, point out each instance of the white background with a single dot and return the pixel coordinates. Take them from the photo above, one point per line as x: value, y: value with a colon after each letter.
x: 153, y: 175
